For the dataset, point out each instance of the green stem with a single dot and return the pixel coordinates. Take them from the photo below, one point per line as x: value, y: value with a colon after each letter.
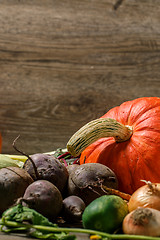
x: 76, y: 230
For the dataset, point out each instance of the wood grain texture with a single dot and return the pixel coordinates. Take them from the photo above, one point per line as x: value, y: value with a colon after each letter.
x: 64, y: 63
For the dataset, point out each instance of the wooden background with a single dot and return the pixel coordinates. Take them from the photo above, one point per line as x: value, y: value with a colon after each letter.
x: 64, y: 63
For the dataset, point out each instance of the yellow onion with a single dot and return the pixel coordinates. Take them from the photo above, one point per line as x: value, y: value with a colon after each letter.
x: 147, y: 196
x: 142, y: 221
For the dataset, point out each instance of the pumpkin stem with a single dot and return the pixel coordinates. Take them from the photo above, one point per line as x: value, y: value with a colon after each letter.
x: 96, y: 129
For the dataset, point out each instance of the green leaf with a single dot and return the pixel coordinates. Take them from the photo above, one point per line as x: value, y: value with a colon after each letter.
x: 6, y: 161
x: 57, y: 236
x: 20, y: 214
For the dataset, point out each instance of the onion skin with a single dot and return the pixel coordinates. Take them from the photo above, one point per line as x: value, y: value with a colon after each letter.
x: 147, y: 196
x: 142, y: 221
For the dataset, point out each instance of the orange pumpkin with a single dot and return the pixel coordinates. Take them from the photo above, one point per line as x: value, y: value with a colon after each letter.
x: 130, y: 145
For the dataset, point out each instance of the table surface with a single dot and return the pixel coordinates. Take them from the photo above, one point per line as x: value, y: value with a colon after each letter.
x: 4, y: 236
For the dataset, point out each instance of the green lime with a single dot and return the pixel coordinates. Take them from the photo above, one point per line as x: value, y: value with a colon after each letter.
x: 105, y: 213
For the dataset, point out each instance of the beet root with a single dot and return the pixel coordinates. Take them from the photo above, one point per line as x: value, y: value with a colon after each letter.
x: 73, y: 207
x: 88, y: 179
x: 13, y: 183
x: 44, y: 197
x: 48, y: 168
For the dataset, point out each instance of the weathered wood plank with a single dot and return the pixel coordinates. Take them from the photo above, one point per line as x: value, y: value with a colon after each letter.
x: 64, y: 63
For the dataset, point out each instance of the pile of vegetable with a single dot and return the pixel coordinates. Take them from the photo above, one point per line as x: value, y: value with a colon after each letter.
x: 126, y: 139
x: 106, y: 183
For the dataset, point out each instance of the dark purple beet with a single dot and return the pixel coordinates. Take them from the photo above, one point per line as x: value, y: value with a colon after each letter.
x: 44, y: 197
x: 13, y: 183
x: 48, y: 168
x: 73, y: 207
x: 87, y: 181
x: 71, y: 168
